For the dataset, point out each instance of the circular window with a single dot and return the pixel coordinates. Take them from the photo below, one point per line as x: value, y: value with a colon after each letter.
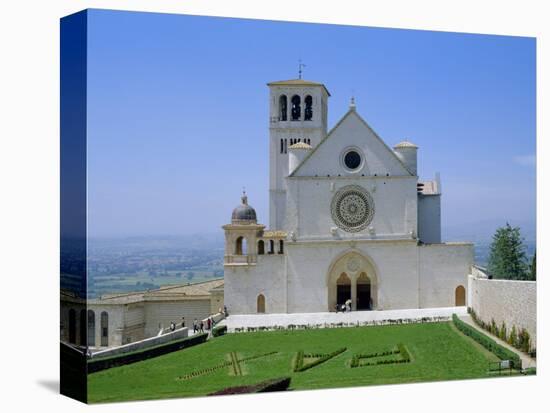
x: 352, y: 160
x: 352, y: 208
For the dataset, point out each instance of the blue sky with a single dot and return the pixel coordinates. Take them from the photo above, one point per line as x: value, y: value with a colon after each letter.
x: 178, y: 114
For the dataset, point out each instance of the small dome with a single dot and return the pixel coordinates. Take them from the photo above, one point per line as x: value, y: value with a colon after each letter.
x: 244, y: 213
x: 405, y: 144
x: 300, y: 145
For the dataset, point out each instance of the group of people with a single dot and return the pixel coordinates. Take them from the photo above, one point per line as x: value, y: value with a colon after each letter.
x: 346, y: 307
x: 198, y: 327
x: 173, y: 325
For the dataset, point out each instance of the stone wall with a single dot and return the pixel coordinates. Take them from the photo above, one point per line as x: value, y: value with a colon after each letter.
x: 511, y: 302
x: 143, y: 344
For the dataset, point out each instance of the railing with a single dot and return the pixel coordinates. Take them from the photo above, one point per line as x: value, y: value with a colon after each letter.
x: 240, y: 259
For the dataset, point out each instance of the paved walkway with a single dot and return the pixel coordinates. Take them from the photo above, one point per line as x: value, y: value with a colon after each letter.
x: 526, y: 361
x: 312, y: 319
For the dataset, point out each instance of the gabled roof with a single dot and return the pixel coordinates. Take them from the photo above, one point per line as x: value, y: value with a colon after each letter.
x: 349, y: 113
x: 297, y: 82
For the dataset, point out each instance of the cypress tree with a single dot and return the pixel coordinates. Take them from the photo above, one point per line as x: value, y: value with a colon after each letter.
x: 533, y: 268
x: 507, y: 259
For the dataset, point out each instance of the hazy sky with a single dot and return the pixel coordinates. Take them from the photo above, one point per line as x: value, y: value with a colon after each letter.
x: 178, y: 114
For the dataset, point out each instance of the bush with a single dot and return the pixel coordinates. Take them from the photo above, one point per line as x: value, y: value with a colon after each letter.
x: 401, y: 349
x: 524, y: 341
x: 99, y: 364
x: 219, y: 331
x: 299, y: 363
x: 491, y: 345
x: 280, y: 384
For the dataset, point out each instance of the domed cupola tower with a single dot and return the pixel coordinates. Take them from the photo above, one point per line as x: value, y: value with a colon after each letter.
x: 244, y: 214
x: 241, y: 235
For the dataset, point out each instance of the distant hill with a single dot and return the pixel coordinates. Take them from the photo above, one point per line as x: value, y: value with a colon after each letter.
x: 483, y: 231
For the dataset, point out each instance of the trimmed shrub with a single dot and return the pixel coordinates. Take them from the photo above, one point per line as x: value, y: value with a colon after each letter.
x: 219, y: 331
x: 99, y: 364
x: 280, y: 384
x: 491, y: 345
x: 299, y: 362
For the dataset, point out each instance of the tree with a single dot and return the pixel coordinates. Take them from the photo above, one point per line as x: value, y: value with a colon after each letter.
x: 532, y: 276
x: 507, y: 259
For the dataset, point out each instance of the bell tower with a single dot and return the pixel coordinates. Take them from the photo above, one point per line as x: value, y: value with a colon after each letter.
x: 297, y: 113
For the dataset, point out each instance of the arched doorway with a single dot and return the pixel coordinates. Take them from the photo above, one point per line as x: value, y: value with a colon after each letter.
x: 460, y: 296
x: 343, y: 289
x: 364, y: 301
x: 352, y: 275
x: 260, y: 304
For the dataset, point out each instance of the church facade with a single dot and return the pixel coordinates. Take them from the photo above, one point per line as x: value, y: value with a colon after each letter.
x: 349, y: 219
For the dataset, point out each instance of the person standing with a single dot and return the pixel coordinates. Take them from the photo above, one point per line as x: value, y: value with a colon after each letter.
x: 201, y: 327
x: 194, y: 325
x: 182, y: 322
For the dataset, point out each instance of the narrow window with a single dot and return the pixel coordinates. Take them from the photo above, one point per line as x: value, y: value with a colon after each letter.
x: 82, y: 327
x: 72, y: 326
x: 308, y: 111
x: 271, y: 247
x: 282, y: 108
x: 282, y: 146
x: 281, y: 245
x: 104, y: 329
x: 296, y: 108
x: 286, y: 145
x: 261, y: 247
x: 91, y: 328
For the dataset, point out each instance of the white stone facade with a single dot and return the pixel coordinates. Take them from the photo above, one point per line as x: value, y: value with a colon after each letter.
x: 349, y: 220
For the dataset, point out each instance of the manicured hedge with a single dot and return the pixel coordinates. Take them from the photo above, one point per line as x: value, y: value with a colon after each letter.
x: 265, y: 386
x: 401, y: 350
x: 99, y: 364
x: 299, y: 363
x: 491, y: 345
x: 219, y: 331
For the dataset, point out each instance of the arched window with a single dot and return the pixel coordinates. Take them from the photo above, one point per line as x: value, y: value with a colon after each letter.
x: 281, y: 244
x: 296, y: 108
x: 308, y: 111
x: 271, y: 247
x: 260, y: 304
x: 261, y: 247
x: 72, y: 326
x: 91, y: 328
x: 82, y: 327
x: 460, y: 296
x: 283, y: 108
x: 240, y: 246
x: 282, y: 146
x: 104, y: 329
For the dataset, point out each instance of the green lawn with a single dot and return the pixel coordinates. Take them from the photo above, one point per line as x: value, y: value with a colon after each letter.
x: 438, y: 352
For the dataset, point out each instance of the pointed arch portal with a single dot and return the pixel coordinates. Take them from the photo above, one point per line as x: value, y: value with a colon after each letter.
x: 353, y: 276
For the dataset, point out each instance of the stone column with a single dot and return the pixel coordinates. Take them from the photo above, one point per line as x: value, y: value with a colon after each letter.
x: 354, y: 292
